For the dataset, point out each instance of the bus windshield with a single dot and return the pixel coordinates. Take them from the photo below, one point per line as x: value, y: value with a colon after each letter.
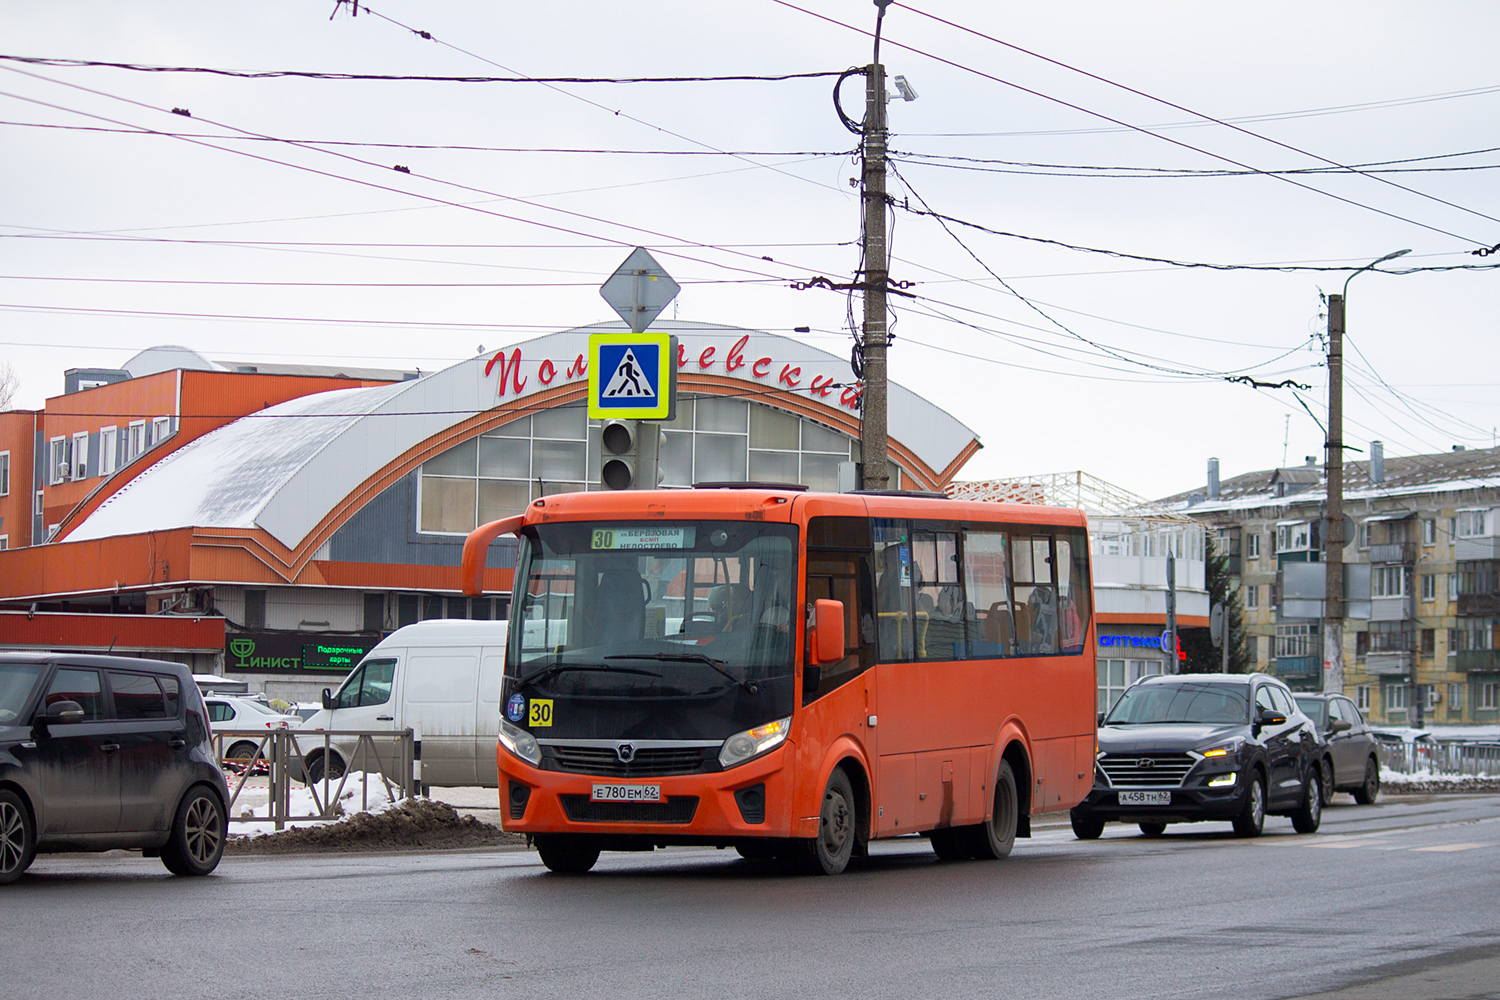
x: 677, y: 610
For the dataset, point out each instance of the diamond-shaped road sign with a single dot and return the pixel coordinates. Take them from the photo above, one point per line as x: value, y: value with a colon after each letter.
x: 639, y: 290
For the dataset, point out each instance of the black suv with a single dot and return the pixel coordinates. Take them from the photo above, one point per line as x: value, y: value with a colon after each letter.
x: 100, y: 752
x: 1180, y: 748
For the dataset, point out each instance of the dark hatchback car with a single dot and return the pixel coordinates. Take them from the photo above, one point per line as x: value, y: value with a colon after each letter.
x: 1182, y: 748
x: 1352, y: 760
x: 104, y: 752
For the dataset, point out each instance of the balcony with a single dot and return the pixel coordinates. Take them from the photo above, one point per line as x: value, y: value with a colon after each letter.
x: 1299, y: 666
x: 1386, y: 664
x: 1391, y: 609
x: 1479, y: 605
x: 1476, y: 548
x: 1478, y: 660
x: 1402, y: 553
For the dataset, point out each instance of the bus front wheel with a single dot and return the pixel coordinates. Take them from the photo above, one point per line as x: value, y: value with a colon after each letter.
x: 567, y: 854
x: 993, y: 840
x: 828, y: 853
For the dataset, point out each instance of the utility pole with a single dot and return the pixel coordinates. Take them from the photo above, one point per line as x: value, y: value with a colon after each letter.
x: 1169, y: 637
x: 1333, y: 544
x: 874, y: 340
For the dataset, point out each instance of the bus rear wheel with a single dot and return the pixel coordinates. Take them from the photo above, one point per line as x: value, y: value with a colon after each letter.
x: 993, y: 840
x: 567, y: 854
x: 952, y: 843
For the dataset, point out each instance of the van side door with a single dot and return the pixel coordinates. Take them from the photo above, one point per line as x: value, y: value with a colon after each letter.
x: 440, y: 694
x: 487, y: 716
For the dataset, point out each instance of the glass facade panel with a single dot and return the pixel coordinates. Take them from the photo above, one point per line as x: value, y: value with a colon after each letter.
x: 771, y: 428
x: 773, y: 466
x: 567, y: 422
x: 499, y: 499
x: 816, y: 437
x: 456, y: 461
x: 504, y: 458
x: 559, y: 461
x: 676, y: 459
x: 447, y: 504
x: 821, y: 472
x: 716, y: 414
x: 516, y: 428
x: 718, y: 458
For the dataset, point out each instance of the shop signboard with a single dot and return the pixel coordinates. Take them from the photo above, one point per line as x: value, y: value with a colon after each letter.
x: 295, y: 652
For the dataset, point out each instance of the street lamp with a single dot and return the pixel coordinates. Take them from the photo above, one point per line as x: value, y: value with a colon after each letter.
x: 1333, y: 579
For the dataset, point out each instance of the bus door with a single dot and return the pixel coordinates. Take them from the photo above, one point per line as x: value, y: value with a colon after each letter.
x: 839, y: 698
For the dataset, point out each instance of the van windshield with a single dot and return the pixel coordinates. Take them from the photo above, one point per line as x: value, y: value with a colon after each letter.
x: 686, y: 610
x: 16, y: 684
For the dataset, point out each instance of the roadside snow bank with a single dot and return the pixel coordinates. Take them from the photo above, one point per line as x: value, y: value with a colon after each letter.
x: 353, y: 800
x: 1426, y: 781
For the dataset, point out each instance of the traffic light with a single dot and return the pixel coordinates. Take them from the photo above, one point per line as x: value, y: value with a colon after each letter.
x: 620, y: 451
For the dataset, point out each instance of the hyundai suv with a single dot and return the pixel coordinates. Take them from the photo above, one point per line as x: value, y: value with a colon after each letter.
x: 1181, y: 748
x: 104, y: 752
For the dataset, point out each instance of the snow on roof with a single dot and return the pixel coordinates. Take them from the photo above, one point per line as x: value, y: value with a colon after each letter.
x: 169, y: 357
x: 283, y: 469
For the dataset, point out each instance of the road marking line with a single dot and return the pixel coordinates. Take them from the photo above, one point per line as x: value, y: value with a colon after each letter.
x: 1448, y: 848
x: 1338, y: 845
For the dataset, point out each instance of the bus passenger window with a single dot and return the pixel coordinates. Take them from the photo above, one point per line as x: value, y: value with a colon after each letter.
x: 991, y: 622
x: 1035, y: 595
x: 893, y: 578
x: 1072, y: 591
x: 939, y: 622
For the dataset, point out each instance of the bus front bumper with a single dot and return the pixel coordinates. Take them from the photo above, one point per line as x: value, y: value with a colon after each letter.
x: 749, y: 801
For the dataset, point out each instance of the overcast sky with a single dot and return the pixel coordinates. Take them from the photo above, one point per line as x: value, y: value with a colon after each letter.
x: 1068, y: 377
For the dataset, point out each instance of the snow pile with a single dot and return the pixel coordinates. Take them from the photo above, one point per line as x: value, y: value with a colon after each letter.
x: 1427, y: 780
x: 411, y: 824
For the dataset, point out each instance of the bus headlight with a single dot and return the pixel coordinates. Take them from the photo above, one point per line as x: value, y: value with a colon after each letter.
x: 520, y: 742
x: 753, y: 742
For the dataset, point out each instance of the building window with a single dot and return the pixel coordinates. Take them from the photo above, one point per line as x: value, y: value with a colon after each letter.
x: 1111, y: 683
x: 4, y: 473
x: 374, y: 613
x: 1363, y: 533
x: 1452, y: 586
x: 108, y: 456
x: 255, y: 609
x: 1487, y: 696
x: 1361, y: 643
x: 1429, y: 532
x: 407, y: 610
x: 59, y: 464
x: 1252, y: 596
x: 1296, y: 640
x: 1293, y: 537
x: 81, y: 455
x: 135, y: 439
x: 432, y: 607
x: 37, y: 509
x: 1395, y: 698
x: 1392, y: 637
x: 4, y: 542
x: 1252, y: 545
x: 1362, y: 697
x: 1429, y: 587
x: 712, y: 439
x: 1455, y: 698
x: 1471, y: 523
x: 1429, y: 641
x: 161, y: 427
x: 1389, y: 581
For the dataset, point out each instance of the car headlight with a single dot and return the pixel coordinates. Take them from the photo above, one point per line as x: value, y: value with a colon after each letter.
x: 520, y: 742
x: 1222, y: 750
x: 753, y: 742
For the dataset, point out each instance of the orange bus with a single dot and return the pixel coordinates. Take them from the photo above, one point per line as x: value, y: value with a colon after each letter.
x: 791, y: 674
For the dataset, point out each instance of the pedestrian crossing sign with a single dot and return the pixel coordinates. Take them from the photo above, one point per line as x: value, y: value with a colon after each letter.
x: 632, y: 376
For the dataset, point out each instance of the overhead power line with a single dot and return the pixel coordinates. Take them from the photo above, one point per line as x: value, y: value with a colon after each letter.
x: 1191, y: 111
x: 982, y: 165
x: 1137, y: 128
x: 408, y: 77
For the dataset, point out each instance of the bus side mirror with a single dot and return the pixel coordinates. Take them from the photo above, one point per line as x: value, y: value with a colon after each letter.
x: 328, y: 700
x: 827, y: 645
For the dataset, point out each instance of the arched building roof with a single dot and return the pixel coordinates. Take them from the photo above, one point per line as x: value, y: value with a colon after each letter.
x: 289, y: 469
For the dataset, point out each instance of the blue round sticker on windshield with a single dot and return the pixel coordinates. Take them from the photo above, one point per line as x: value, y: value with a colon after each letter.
x: 515, y: 709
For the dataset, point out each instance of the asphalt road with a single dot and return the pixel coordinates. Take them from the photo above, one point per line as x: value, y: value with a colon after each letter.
x: 1396, y: 900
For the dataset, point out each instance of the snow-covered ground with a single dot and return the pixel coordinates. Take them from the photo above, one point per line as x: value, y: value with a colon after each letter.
x: 252, y: 802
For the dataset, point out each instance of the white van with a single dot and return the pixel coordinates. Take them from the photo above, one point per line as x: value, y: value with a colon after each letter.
x: 441, y: 675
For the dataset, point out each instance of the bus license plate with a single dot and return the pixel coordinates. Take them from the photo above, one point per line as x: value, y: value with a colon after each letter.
x: 626, y: 793
x: 1139, y: 798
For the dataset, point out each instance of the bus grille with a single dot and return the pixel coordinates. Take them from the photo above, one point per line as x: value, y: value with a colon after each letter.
x: 1130, y: 770
x: 677, y: 809
x: 647, y: 763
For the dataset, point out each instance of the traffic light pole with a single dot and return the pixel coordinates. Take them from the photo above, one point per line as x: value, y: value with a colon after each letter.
x: 873, y: 401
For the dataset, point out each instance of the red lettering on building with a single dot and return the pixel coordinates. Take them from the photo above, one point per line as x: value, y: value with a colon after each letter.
x: 547, y: 372
x: 850, y: 397
x: 706, y: 359
x: 736, y: 358
x: 681, y: 355
x: 790, y: 376
x: 760, y: 363
x: 577, y: 369
x: 511, y: 370
x: 822, y: 385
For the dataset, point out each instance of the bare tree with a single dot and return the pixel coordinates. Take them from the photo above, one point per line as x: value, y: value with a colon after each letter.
x: 9, y: 385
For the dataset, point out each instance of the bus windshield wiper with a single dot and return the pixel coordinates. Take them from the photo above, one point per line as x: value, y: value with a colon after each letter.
x: 555, y: 668
x: 718, y: 665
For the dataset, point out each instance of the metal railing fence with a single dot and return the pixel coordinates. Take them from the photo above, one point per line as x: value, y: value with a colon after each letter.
x: 1442, y: 757
x: 281, y: 753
